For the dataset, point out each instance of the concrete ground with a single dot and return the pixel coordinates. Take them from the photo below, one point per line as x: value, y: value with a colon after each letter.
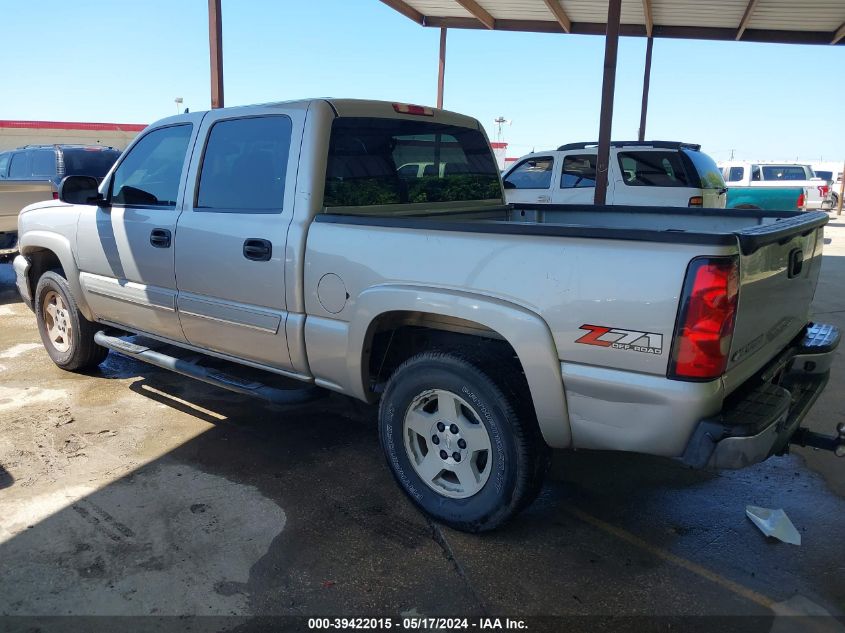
x: 135, y: 491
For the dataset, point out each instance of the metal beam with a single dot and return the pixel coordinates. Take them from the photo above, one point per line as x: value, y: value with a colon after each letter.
x: 441, y: 69
x: 479, y: 12
x: 646, y: 82
x: 560, y: 15
x: 840, y: 33
x: 405, y: 9
x: 649, y: 20
x: 215, y: 45
x: 746, y: 18
x: 767, y: 36
x: 608, y: 86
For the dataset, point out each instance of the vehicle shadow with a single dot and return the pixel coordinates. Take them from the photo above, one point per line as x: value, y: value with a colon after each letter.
x: 8, y: 289
x: 6, y: 479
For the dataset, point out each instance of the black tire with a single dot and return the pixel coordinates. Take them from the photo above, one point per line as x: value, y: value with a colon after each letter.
x: 518, y: 455
x: 82, y: 352
x: 747, y: 207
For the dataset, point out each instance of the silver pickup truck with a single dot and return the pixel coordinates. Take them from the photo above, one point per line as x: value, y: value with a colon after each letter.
x: 291, y: 240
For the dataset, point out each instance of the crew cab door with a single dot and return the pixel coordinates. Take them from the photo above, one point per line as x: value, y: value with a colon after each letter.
x: 231, y: 238
x: 530, y: 180
x: 125, y: 248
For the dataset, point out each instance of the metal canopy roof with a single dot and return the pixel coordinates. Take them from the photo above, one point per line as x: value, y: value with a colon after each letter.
x: 775, y: 21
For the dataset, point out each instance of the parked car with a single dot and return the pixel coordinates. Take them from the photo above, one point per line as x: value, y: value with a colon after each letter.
x: 652, y: 173
x: 787, y: 198
x: 280, y: 240
x: 745, y: 174
x: 32, y: 173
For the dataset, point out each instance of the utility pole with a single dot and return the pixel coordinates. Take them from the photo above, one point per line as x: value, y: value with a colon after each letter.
x: 841, y: 191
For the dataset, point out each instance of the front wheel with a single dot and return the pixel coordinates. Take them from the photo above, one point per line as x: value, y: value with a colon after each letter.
x: 464, y: 448
x: 66, y: 334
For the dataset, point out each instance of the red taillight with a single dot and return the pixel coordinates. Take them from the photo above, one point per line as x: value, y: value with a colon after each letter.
x: 823, y: 190
x: 408, y: 108
x: 706, y: 319
x: 696, y: 201
x: 55, y: 195
x: 800, y: 202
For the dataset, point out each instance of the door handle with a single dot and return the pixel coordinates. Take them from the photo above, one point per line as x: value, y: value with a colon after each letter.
x: 258, y: 250
x: 160, y: 238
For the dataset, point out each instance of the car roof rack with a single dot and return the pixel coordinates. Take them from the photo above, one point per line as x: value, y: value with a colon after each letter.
x: 659, y: 144
x: 54, y: 145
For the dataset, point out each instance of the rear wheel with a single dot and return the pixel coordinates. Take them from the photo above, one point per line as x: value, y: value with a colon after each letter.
x: 460, y: 444
x: 66, y: 334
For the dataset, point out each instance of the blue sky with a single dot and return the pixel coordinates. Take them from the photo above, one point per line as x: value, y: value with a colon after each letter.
x: 101, y: 60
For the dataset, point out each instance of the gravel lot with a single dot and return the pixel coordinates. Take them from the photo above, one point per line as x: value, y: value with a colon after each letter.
x: 134, y: 491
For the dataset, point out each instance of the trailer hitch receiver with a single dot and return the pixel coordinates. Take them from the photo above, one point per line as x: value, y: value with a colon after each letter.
x: 834, y: 443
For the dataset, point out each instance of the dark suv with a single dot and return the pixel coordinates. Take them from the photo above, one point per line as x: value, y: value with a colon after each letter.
x: 54, y: 162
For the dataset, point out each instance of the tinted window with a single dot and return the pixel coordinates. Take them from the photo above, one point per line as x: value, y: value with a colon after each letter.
x: 755, y: 172
x: 708, y: 173
x: 89, y: 161
x: 367, y: 154
x: 4, y: 164
x: 43, y: 163
x: 18, y: 167
x: 824, y: 175
x: 579, y: 170
x: 653, y: 169
x: 150, y: 172
x: 784, y: 172
x: 534, y: 173
x: 736, y: 173
x: 245, y: 164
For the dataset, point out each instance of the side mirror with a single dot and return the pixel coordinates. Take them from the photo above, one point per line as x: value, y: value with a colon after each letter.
x: 507, y: 184
x: 80, y: 190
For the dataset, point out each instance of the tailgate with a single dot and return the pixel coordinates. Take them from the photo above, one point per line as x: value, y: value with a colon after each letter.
x: 778, y: 268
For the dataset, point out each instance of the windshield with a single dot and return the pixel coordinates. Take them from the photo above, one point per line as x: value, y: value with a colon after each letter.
x: 708, y: 172
x: 375, y: 162
x: 93, y: 162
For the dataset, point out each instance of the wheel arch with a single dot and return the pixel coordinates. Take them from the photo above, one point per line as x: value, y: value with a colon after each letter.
x: 382, y: 308
x: 47, y: 251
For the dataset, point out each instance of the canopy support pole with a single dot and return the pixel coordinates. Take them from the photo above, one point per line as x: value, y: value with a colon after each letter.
x: 646, y: 83
x: 611, y: 46
x: 215, y: 45
x: 441, y: 68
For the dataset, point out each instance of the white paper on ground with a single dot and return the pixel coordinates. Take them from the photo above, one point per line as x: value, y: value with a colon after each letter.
x: 774, y: 523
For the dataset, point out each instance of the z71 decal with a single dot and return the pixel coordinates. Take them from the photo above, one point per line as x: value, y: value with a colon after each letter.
x: 617, y: 338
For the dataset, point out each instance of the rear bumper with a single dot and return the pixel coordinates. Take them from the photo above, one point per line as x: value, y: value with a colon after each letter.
x: 760, y: 418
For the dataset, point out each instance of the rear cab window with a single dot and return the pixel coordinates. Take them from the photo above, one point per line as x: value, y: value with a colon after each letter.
x: 380, y: 165
x: 532, y: 173
x: 784, y: 172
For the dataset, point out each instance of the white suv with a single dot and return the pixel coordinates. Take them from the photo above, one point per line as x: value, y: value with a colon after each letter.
x: 653, y: 173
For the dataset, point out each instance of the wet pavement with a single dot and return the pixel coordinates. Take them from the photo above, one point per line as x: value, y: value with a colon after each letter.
x: 134, y: 491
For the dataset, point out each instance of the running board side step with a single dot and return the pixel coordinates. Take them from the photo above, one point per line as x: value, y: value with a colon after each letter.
x: 209, y: 375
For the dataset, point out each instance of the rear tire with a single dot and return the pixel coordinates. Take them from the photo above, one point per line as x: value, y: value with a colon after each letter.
x: 66, y: 334
x: 488, y: 459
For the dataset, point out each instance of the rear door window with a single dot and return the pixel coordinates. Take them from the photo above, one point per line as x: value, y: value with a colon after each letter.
x: 149, y: 174
x: 579, y: 170
x: 43, y: 163
x: 653, y: 169
x: 735, y: 174
x: 369, y: 159
x: 533, y: 173
x: 19, y: 167
x: 245, y: 165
